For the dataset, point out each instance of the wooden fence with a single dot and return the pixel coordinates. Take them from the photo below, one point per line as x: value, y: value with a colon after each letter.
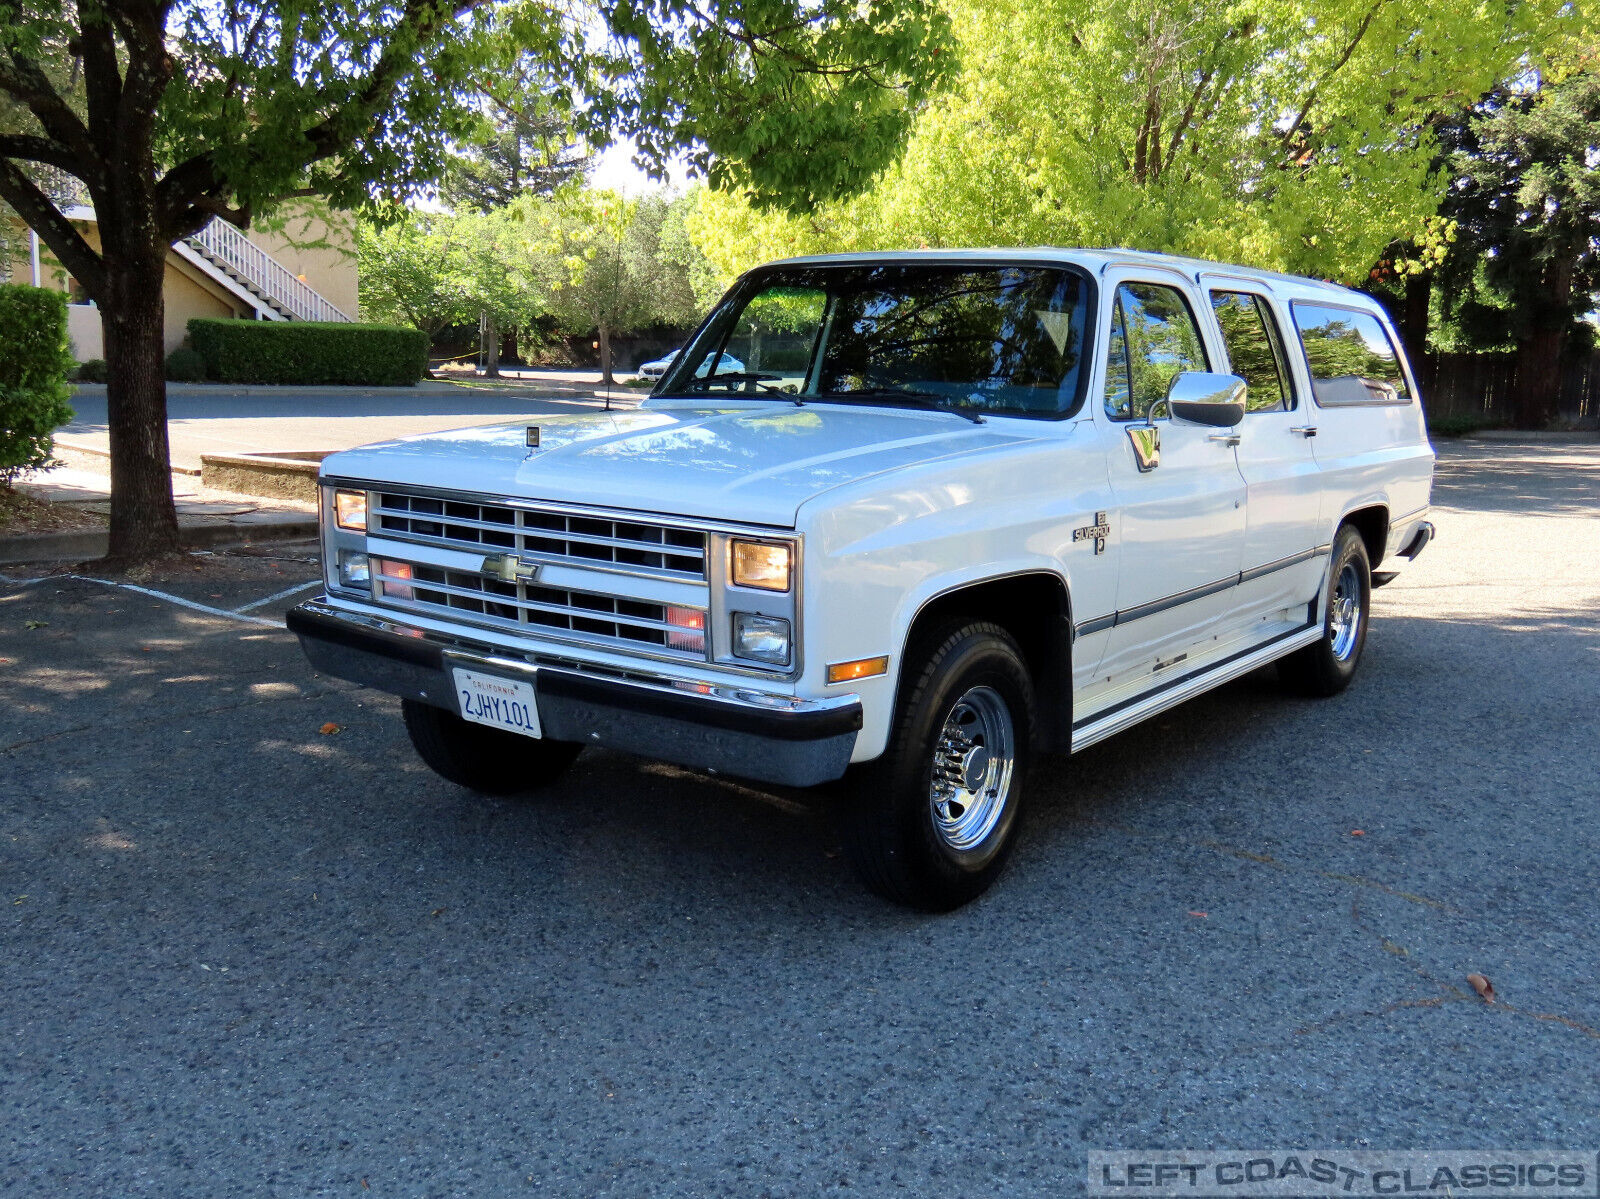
x: 1486, y: 385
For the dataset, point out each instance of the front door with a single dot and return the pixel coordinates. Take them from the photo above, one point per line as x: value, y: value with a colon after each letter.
x: 1179, y: 518
x: 1282, y: 567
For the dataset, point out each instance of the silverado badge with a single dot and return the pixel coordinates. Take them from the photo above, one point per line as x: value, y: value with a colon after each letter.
x: 510, y: 568
x: 1099, y: 531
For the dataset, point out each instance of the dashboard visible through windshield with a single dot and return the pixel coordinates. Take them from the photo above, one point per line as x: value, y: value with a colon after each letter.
x: 977, y: 339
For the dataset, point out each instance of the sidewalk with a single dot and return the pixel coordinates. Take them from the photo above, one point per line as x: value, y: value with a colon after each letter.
x: 206, y: 517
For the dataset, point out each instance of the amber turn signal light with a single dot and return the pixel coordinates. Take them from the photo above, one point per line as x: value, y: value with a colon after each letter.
x: 861, y: 668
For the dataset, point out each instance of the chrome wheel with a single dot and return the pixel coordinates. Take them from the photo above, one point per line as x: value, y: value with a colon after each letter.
x: 973, y: 762
x: 1344, y: 612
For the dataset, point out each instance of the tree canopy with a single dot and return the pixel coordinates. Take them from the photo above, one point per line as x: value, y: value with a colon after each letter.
x: 1524, y: 200
x: 1274, y: 132
x: 520, y: 147
x: 169, y: 114
x: 582, y: 261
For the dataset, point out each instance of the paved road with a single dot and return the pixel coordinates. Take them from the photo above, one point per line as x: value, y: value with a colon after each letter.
x: 245, y: 958
x: 218, y: 420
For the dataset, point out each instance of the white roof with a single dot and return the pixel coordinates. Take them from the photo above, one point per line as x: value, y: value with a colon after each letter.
x: 1095, y: 261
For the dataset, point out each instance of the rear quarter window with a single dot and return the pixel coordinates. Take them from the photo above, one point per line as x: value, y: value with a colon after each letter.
x: 1351, y: 356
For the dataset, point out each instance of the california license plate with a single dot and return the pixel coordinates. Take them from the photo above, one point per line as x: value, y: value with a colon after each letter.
x: 499, y: 703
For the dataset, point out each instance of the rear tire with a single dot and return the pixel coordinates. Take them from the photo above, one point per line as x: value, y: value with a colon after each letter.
x: 932, y: 823
x: 1326, y: 667
x: 484, y: 759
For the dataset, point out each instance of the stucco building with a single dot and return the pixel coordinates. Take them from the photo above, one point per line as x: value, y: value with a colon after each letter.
x: 302, y: 268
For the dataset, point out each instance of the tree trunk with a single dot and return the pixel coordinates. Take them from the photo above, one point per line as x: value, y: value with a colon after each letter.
x: 1539, y: 376
x: 605, y: 355
x: 491, y: 346
x: 144, y: 522
x: 1539, y: 350
x: 1414, y: 326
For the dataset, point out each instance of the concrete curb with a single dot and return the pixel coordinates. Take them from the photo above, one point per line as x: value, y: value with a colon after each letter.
x: 1536, y: 437
x: 79, y: 545
x: 273, y: 389
x: 280, y: 476
x: 95, y: 451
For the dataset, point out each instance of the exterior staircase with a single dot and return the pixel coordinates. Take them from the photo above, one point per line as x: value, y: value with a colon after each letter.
x: 258, y: 278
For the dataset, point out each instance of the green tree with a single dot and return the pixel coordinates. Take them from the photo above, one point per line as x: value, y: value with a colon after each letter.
x: 505, y: 272
x: 170, y: 114
x: 615, y: 273
x: 1525, y: 199
x: 521, y: 145
x: 1280, y: 133
x: 410, y: 273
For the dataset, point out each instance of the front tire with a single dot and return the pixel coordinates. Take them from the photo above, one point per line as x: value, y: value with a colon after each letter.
x: 1326, y: 667
x: 484, y: 759
x: 932, y: 823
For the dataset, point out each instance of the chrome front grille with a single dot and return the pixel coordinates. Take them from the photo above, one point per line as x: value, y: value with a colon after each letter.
x: 543, y: 534
x: 533, y: 607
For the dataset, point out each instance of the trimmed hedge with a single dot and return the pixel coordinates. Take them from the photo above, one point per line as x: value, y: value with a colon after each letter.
x: 309, y: 352
x: 34, y: 362
x: 185, y: 366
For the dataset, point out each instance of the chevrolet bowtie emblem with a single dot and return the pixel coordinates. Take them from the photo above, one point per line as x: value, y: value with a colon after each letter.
x: 1099, y: 531
x: 510, y: 568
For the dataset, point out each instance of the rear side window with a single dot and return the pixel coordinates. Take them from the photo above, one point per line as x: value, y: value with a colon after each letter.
x: 1255, y: 349
x: 1153, y: 337
x: 1351, y: 356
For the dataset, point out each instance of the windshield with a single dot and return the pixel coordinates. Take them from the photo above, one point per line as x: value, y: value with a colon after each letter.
x: 979, y: 339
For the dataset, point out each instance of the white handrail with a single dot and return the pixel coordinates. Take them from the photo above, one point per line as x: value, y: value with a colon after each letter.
x: 223, y: 243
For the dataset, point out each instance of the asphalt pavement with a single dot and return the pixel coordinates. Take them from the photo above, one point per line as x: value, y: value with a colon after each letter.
x: 252, y: 947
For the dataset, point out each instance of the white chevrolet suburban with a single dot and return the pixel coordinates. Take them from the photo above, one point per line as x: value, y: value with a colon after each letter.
x: 952, y: 511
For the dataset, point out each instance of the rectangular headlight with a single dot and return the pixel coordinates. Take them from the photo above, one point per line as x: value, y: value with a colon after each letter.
x: 764, y: 565
x: 761, y: 638
x: 350, y: 510
x: 354, y: 570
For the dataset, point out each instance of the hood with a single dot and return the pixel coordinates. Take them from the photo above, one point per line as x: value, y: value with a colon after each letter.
x: 748, y: 464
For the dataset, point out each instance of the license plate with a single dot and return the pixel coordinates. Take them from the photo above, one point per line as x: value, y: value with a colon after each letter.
x: 499, y: 703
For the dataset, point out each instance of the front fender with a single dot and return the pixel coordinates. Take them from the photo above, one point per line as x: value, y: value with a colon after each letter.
x: 876, y: 558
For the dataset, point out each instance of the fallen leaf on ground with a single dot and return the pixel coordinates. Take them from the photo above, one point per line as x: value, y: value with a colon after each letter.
x: 1482, y: 986
x: 329, y: 729
x: 36, y: 624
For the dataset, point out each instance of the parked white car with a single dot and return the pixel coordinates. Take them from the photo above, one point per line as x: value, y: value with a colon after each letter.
x: 955, y: 510
x: 727, y: 364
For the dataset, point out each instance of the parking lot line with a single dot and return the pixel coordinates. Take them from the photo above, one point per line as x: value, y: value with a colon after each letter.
x: 180, y: 601
x: 277, y: 595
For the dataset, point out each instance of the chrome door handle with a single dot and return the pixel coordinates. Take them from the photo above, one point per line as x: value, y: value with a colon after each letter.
x: 1224, y: 438
x: 1304, y: 430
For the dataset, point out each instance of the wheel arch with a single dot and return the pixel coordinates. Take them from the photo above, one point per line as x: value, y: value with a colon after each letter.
x: 1035, y: 607
x: 1371, y: 520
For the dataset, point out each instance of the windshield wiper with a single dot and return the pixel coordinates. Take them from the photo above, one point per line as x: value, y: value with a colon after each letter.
x: 930, y: 399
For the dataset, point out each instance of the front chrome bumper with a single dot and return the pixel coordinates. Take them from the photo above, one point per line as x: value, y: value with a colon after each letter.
x: 728, y: 729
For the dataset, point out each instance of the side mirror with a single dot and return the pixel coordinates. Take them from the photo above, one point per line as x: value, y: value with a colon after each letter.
x: 1205, y: 398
